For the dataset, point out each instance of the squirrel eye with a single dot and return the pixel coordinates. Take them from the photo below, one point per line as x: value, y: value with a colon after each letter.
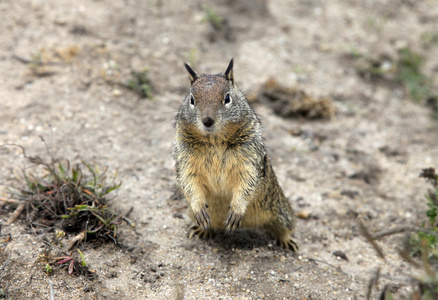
x: 192, y: 100
x: 227, y: 99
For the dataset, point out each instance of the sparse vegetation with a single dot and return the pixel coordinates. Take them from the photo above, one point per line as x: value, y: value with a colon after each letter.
x: 424, y: 242
x: 67, y: 199
x: 48, y: 269
x: 372, y: 68
x: 423, y: 246
x: 405, y: 69
x: 409, y: 74
x: 215, y: 20
x: 74, y: 263
x: 140, y: 83
x: 191, y: 56
x: 375, y: 23
x: 220, y: 28
x: 41, y: 63
x: 429, y: 39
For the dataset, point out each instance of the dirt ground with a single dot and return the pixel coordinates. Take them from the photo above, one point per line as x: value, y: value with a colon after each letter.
x: 362, y: 163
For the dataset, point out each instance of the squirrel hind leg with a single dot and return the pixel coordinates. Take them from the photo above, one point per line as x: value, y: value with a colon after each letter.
x: 199, y: 233
x: 283, y: 236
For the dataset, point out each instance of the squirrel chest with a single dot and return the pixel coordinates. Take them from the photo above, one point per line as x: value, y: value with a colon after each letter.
x: 217, y: 166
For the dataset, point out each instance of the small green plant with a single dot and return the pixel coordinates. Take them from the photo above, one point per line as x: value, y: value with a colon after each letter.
x: 429, y: 39
x: 48, y: 269
x: 191, y: 57
x: 354, y: 52
x: 58, y: 238
x: 425, y: 244
x: 409, y: 73
x: 375, y: 23
x: 405, y: 69
x: 215, y: 20
x: 83, y: 263
x: 422, y: 241
x: 73, y: 263
x: 298, y: 70
x: 140, y: 83
x: 35, y: 62
x: 432, y: 211
x: 421, y: 253
x: 371, y: 67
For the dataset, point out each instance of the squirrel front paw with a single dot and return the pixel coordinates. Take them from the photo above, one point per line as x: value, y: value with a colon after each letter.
x: 233, y: 221
x: 196, y: 231
x: 202, y: 218
x: 289, y: 243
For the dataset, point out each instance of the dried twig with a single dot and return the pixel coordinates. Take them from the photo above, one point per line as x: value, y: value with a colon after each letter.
x: 388, y: 287
x: 424, y: 257
x: 5, y: 265
x: 129, y: 212
x: 6, y: 201
x: 402, y: 280
x: 17, y: 212
x: 15, y: 145
x: 328, y: 264
x: 373, y: 281
x: 401, y: 229
x: 370, y: 239
x: 403, y: 254
x: 52, y: 296
x: 35, y: 61
x: 80, y: 237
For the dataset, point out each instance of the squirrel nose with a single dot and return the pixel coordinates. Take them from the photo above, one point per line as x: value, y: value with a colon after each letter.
x: 208, y: 122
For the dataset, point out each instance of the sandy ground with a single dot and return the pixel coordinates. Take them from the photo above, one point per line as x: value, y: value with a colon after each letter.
x: 363, y: 163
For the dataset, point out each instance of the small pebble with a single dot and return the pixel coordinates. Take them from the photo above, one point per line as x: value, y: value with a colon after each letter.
x: 117, y: 92
x: 304, y: 214
x: 340, y: 254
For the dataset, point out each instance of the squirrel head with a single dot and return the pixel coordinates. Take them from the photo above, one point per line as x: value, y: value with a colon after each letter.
x: 214, y: 102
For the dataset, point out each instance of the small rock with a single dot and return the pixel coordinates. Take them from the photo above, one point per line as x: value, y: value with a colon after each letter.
x: 301, y: 202
x: 340, y: 254
x: 304, y: 214
x: 350, y: 194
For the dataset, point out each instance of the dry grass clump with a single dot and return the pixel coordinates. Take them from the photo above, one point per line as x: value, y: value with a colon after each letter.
x: 292, y: 102
x: 65, y: 202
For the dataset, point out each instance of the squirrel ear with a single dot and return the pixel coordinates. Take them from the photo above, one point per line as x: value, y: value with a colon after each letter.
x: 229, y: 72
x: 193, y: 75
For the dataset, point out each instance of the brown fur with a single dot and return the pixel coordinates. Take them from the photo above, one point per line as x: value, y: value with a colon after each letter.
x: 223, y: 169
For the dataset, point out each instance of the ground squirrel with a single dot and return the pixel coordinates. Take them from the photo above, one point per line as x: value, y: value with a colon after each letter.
x: 222, y: 164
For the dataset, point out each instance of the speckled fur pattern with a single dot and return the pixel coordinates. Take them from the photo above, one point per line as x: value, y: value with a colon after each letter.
x: 221, y: 162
